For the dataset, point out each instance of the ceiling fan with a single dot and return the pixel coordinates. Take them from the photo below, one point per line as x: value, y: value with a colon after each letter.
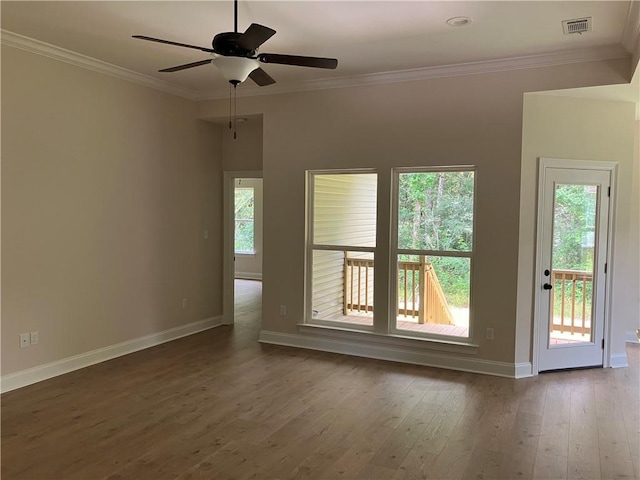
x: 236, y: 54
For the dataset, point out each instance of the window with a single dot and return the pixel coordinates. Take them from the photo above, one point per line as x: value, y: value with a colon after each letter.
x: 431, y: 252
x: 434, y: 252
x: 341, y: 250
x: 244, y: 220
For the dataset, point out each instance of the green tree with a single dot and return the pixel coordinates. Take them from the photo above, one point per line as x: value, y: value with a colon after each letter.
x: 573, y: 227
x: 435, y: 212
x: 244, y: 219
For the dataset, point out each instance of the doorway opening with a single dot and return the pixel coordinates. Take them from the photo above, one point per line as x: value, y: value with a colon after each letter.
x: 243, y: 212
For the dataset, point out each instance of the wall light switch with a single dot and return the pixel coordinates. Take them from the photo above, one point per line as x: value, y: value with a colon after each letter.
x: 25, y: 340
x: 34, y: 338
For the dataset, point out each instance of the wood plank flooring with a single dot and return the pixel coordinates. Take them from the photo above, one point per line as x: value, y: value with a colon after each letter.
x: 220, y: 405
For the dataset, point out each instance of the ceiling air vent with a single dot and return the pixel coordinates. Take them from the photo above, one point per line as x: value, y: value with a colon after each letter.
x: 577, y: 25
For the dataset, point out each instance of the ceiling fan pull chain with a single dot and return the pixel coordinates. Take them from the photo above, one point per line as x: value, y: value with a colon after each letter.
x: 235, y: 112
x: 230, y: 111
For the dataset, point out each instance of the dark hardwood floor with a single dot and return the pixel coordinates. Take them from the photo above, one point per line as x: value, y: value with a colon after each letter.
x: 220, y: 405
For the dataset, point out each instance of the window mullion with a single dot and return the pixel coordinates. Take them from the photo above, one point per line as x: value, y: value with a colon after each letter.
x: 381, y: 320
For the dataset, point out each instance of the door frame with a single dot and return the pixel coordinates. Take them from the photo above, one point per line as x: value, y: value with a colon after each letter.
x: 228, y: 242
x: 545, y: 163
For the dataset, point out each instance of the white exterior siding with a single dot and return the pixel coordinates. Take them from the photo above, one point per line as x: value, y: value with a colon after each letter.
x: 344, y: 213
x: 344, y: 210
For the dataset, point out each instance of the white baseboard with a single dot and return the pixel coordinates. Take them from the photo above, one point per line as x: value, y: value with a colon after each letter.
x: 396, y: 354
x: 619, y: 360
x: 524, y: 369
x: 49, y: 370
x: 631, y: 337
x: 248, y: 276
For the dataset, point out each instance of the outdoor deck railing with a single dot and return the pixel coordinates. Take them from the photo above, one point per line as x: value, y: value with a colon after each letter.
x: 420, y: 294
x: 358, y: 285
x: 571, y: 306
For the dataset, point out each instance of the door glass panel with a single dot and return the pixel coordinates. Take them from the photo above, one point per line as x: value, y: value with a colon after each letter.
x: 574, y: 241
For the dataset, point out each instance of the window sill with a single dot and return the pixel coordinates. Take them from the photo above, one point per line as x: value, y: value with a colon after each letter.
x: 443, y: 345
x: 245, y: 254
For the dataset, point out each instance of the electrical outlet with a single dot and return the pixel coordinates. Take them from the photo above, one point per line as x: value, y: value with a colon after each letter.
x: 489, y: 333
x: 283, y: 310
x: 25, y: 340
x: 34, y: 338
x: 184, y: 303
x: 206, y: 234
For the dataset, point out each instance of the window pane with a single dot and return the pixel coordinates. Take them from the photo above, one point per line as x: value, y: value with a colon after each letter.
x: 435, y: 211
x: 433, y: 294
x: 244, y: 236
x: 244, y: 219
x: 344, y: 209
x: 342, y: 287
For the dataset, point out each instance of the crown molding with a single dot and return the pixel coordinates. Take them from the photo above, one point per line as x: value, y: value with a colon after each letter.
x: 500, y: 65
x: 38, y: 47
x: 471, y: 68
x: 630, y: 39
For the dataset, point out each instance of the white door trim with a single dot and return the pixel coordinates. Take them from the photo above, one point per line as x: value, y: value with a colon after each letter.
x: 228, y: 264
x: 612, y: 168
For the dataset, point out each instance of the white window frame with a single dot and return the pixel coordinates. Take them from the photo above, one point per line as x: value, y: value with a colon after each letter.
x: 311, y: 247
x: 395, y: 251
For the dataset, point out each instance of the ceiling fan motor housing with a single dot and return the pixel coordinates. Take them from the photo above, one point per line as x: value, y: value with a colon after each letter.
x: 226, y: 43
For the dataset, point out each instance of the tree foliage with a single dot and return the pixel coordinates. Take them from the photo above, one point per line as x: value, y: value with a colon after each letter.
x: 244, y: 219
x: 574, y: 227
x: 435, y: 212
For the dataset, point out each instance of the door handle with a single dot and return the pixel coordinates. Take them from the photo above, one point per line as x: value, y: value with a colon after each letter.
x: 547, y: 286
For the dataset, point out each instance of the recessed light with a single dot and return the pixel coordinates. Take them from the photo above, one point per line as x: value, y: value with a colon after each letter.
x: 458, y: 21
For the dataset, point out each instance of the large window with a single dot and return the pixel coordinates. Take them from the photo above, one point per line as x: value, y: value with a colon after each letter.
x: 244, y: 220
x: 430, y: 253
x: 434, y: 252
x: 342, y: 240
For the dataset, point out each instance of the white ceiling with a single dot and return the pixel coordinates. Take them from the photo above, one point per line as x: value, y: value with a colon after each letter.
x: 367, y: 37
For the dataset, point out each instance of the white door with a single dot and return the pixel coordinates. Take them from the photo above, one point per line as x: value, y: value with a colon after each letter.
x: 572, y: 253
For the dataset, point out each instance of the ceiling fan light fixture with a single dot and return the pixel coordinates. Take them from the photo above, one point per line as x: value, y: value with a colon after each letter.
x: 235, y: 69
x: 459, y: 21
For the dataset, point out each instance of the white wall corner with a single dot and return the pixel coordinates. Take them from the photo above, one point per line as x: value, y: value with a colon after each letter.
x: 33, y: 375
x: 619, y: 360
x: 630, y: 39
x: 395, y: 353
x: 631, y: 31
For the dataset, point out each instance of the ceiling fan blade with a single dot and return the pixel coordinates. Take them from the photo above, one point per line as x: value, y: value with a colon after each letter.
x: 255, y: 36
x: 316, y: 62
x: 159, y: 40
x: 261, y: 77
x: 186, y: 65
